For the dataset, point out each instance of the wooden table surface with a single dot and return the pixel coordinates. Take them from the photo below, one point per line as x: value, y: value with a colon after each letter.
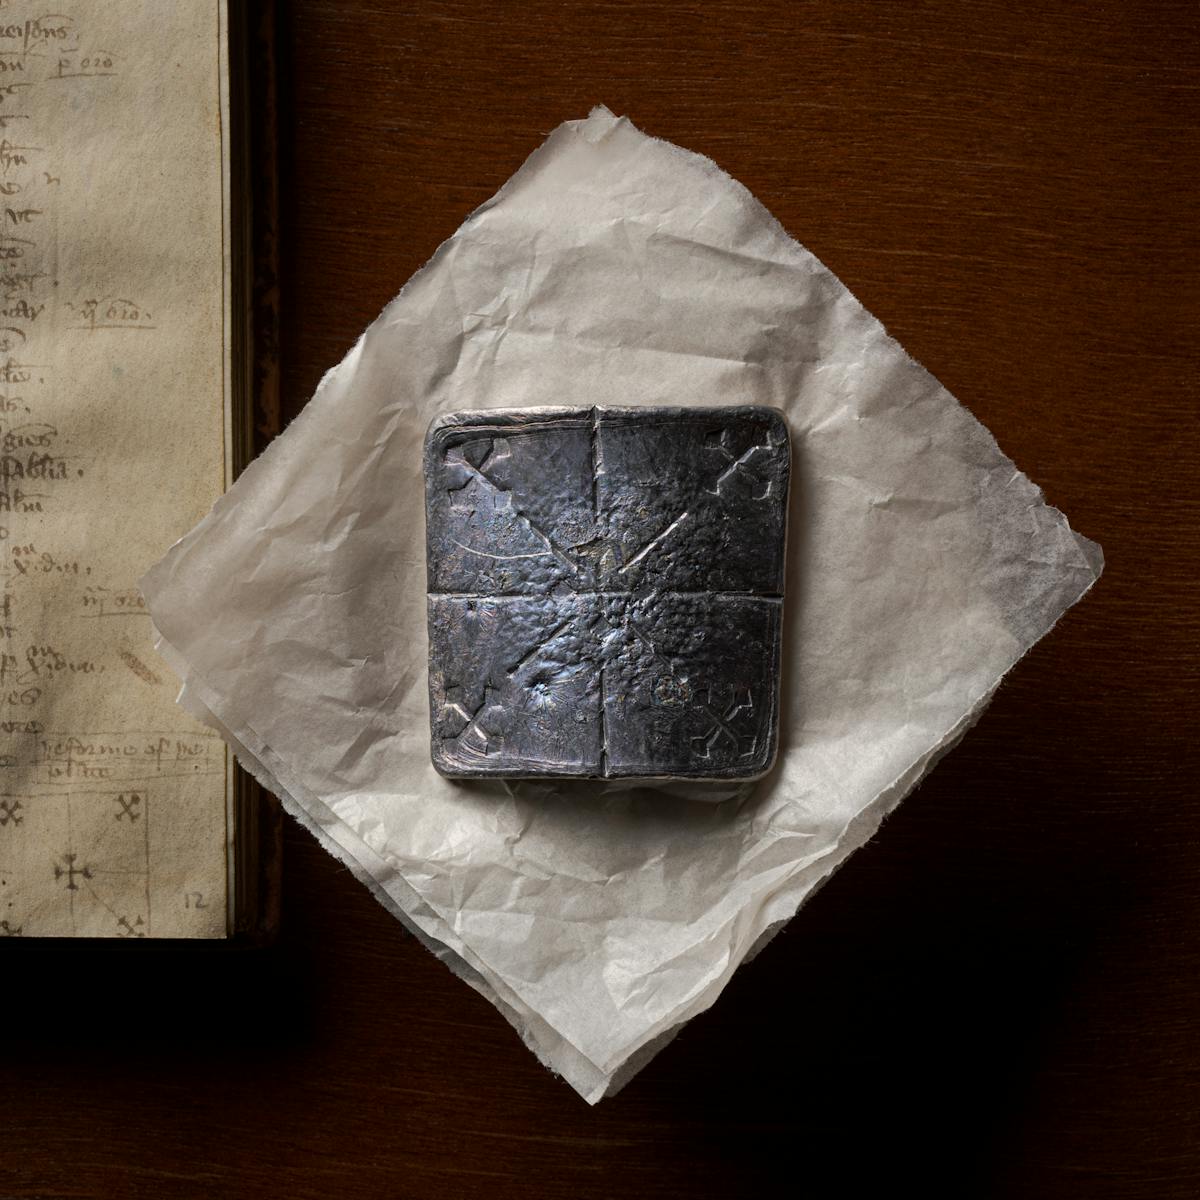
x: 997, y: 997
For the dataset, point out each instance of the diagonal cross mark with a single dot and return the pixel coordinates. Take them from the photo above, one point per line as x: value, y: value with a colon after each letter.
x: 128, y: 806
x: 721, y: 445
x: 472, y: 719
x: 742, y: 701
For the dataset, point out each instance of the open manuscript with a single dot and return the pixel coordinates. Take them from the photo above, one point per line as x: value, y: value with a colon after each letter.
x: 120, y: 816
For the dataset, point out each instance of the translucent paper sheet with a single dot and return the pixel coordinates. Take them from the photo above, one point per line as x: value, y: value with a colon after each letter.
x: 613, y: 269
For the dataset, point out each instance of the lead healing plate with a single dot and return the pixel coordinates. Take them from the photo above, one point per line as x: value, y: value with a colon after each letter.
x: 606, y: 591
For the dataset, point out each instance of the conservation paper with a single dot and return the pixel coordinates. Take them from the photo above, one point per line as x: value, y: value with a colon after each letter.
x: 613, y: 269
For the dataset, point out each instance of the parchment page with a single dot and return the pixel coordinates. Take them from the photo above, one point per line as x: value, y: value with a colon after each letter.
x: 113, y: 802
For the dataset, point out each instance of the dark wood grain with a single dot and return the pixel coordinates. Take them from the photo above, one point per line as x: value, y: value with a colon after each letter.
x: 998, y: 997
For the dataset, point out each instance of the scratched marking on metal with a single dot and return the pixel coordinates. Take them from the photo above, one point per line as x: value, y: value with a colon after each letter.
x: 605, y: 591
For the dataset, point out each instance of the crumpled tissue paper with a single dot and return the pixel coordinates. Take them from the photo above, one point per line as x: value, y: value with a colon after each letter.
x: 612, y: 269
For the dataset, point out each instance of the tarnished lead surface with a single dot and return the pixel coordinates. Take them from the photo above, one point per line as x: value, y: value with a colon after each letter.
x: 605, y: 591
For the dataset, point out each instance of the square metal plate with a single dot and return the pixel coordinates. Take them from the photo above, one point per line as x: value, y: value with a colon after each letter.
x: 605, y: 591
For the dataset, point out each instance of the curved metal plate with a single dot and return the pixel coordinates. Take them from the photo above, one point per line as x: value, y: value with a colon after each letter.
x: 605, y: 591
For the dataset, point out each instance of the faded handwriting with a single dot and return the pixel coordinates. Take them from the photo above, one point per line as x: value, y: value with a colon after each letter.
x: 97, y: 471
x: 112, y: 312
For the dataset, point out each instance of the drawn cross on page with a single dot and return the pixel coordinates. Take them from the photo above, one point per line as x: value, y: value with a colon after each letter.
x: 69, y: 870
